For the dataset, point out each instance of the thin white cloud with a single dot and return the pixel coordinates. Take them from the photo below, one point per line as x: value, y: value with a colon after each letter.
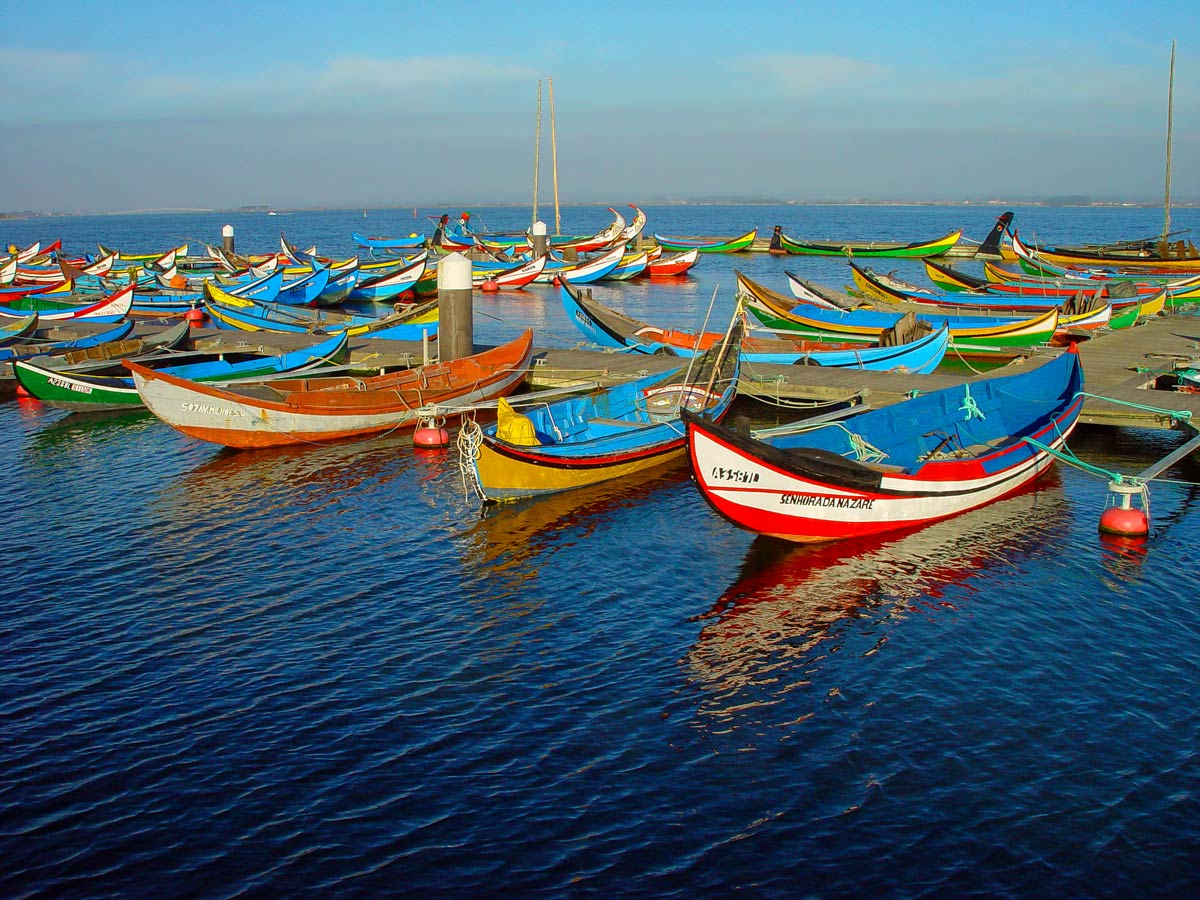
x: 805, y: 75
x: 45, y: 75
x: 355, y: 84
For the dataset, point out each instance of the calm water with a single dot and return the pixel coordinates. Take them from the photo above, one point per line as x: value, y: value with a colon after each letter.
x: 324, y: 671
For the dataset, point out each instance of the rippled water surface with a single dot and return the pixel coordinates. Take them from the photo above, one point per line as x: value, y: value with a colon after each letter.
x: 322, y: 670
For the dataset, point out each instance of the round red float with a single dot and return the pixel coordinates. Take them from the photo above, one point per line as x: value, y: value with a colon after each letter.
x: 431, y: 438
x: 1125, y: 521
x: 489, y: 287
x: 195, y: 316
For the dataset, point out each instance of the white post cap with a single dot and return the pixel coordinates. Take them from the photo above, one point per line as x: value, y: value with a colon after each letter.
x: 454, y: 273
x: 539, y: 227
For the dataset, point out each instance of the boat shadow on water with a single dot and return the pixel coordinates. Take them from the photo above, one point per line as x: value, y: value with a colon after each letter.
x: 792, y: 608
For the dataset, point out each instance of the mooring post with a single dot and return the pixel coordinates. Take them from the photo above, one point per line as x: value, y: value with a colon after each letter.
x: 456, y: 324
x: 540, y: 241
x: 227, y: 238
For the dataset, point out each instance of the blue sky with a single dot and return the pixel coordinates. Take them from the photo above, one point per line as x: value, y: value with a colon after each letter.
x: 138, y: 105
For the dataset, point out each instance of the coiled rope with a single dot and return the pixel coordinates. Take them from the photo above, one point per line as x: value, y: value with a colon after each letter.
x: 470, y: 439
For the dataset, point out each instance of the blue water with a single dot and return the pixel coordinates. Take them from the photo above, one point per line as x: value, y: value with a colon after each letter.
x: 322, y: 670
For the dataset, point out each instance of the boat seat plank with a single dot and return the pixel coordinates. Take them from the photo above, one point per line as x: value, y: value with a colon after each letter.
x: 619, y: 423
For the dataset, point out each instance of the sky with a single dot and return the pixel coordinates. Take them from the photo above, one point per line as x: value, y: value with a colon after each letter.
x: 135, y: 106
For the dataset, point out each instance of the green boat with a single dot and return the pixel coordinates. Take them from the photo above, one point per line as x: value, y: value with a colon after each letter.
x: 915, y: 250
x: 781, y: 314
x: 63, y: 388
x: 732, y: 245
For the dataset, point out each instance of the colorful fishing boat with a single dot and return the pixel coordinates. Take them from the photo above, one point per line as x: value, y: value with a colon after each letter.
x: 887, y: 291
x: 809, y: 292
x: 613, y: 330
x: 934, y: 456
x: 726, y: 245
x: 391, y: 283
x: 409, y: 323
x: 59, y: 386
x: 511, y: 278
x: 105, y: 358
x: 967, y: 331
x: 60, y: 341
x: 309, y: 410
x: 630, y: 266
x: 953, y: 281
x: 913, y: 250
x: 12, y: 330
x: 673, y: 265
x: 614, y: 432
x: 1145, y: 308
x: 388, y: 243
x: 1180, y: 256
x: 106, y: 309
x: 588, y: 270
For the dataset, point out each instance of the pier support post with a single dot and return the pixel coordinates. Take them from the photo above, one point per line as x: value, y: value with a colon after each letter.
x: 227, y: 238
x: 456, y: 324
x: 540, y: 241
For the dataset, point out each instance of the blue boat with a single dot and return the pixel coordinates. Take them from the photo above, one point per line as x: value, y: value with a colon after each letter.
x: 383, y: 243
x: 61, y: 387
x: 32, y: 348
x: 413, y: 324
x: 615, y: 432
x: 304, y: 289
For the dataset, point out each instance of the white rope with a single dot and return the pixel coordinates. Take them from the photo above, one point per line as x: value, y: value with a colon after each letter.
x: 470, y: 439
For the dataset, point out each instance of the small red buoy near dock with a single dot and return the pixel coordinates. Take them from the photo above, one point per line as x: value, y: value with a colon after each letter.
x: 195, y: 316
x: 490, y: 286
x: 431, y: 433
x: 1123, y: 518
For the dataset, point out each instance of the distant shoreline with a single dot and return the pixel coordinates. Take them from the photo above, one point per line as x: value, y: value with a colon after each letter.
x: 1055, y: 203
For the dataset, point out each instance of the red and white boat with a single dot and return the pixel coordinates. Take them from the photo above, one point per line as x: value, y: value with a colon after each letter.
x: 673, y: 265
x: 928, y: 458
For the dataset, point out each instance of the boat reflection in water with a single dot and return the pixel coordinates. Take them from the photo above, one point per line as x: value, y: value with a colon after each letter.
x: 279, y: 491
x: 510, y: 537
x: 791, y: 609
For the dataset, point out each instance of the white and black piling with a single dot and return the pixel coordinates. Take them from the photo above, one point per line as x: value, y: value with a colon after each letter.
x: 456, y: 324
x: 227, y: 238
x: 538, y: 238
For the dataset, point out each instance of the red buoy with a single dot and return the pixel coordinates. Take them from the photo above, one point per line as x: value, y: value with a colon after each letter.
x: 1123, y: 518
x: 490, y: 286
x: 431, y: 433
x: 1124, y: 521
x: 195, y: 316
x: 431, y: 438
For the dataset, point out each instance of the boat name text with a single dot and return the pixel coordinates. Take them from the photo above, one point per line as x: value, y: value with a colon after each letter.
x: 211, y: 409
x: 821, y: 500
x: 69, y: 385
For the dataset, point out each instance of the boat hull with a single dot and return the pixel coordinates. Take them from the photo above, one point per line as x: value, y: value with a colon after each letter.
x: 915, y: 250
x: 809, y: 488
x: 338, y: 409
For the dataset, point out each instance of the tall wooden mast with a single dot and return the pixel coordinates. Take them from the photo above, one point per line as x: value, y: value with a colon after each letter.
x: 1163, y: 250
x: 537, y: 149
x: 554, y: 156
